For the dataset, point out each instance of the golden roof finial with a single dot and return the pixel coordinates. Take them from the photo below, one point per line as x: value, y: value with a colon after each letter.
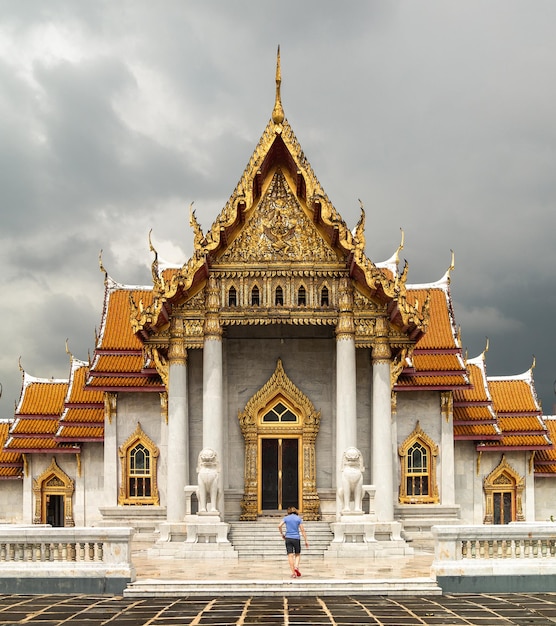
x: 278, y: 112
x: 400, y: 247
x: 452, y: 266
x: 68, y: 352
x: 101, y: 266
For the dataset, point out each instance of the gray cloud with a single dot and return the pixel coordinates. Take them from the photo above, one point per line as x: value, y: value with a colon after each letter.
x: 115, y: 116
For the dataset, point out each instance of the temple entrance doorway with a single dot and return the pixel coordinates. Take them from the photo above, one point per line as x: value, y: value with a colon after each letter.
x: 279, y: 425
x: 53, y: 492
x: 279, y: 473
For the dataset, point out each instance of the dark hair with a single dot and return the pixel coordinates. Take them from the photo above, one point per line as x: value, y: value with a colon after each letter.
x: 291, y: 510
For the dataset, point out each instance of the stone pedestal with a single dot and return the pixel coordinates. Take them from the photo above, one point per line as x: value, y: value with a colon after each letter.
x: 360, y: 535
x: 202, y: 535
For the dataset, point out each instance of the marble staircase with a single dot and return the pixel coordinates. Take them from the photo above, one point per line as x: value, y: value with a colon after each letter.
x: 261, y: 539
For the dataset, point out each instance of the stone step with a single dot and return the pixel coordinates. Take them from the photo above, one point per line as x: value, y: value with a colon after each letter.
x: 260, y: 539
x: 290, y: 587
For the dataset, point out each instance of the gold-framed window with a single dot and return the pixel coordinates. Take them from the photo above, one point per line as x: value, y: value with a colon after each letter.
x: 138, y: 460
x: 418, y: 483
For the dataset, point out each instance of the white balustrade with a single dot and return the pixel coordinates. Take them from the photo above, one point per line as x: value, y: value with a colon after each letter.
x: 32, y: 551
x: 519, y: 548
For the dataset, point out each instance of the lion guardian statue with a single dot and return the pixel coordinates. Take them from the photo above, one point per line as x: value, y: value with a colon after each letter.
x: 208, y: 470
x: 350, y: 490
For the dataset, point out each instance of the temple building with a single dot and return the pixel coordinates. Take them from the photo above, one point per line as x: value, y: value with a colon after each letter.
x: 279, y: 348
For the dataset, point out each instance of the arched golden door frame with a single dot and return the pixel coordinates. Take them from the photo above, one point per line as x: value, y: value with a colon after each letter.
x: 504, y: 479
x: 280, y: 388
x: 53, y: 482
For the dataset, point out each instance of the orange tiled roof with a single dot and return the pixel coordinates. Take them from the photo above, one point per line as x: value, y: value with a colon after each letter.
x: 11, y: 463
x: 441, y: 331
x: 79, y: 433
x: 514, y: 395
x: 437, y: 361
x: 474, y: 416
x: 118, y: 363
x: 545, y: 460
x: 120, y: 383
x: 41, y: 396
x: 518, y: 413
x: 115, y: 331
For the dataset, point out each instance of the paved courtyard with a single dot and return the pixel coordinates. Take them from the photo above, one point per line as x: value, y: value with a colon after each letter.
x: 476, y: 609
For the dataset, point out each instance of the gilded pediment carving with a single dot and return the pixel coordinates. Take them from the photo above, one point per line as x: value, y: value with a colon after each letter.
x: 279, y: 230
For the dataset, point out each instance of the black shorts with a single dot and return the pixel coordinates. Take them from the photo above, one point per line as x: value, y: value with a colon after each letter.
x: 293, y: 546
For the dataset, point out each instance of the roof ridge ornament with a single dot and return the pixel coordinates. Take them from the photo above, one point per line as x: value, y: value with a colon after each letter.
x: 278, y: 111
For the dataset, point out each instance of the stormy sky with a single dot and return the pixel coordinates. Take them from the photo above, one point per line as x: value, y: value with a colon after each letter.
x: 438, y: 115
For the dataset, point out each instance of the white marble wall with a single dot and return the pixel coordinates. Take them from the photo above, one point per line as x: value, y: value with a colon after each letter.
x: 11, y: 501
x: 545, y: 502
x: 143, y: 408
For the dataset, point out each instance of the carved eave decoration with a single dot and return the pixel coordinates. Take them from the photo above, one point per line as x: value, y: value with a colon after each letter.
x: 278, y: 150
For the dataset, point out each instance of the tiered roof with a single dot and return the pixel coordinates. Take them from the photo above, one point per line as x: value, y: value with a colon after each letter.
x: 119, y: 360
x: 545, y: 459
x: 436, y: 361
x: 519, y: 413
x: 474, y: 415
x: 36, y: 417
x: 496, y: 413
x: 11, y: 463
x: 83, y: 416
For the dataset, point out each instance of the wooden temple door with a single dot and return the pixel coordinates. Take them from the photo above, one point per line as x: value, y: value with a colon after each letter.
x: 279, y: 473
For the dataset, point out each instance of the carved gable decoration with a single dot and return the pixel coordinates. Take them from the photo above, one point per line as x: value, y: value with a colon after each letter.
x: 278, y: 231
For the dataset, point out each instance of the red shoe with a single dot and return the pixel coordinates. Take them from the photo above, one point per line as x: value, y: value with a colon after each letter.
x: 297, y: 572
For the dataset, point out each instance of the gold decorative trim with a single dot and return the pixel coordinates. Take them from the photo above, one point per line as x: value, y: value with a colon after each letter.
x: 505, y: 479
x: 138, y: 437
x: 420, y: 437
x: 110, y: 405
x: 53, y: 482
x: 447, y: 404
x: 279, y: 386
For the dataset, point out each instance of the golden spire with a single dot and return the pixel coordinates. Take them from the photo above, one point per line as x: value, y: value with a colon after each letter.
x: 278, y: 112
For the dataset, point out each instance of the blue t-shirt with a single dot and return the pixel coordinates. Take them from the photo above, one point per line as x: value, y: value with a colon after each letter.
x: 292, y: 522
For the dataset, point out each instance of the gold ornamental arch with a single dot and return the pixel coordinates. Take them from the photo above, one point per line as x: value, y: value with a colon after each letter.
x: 53, y: 482
x: 280, y: 389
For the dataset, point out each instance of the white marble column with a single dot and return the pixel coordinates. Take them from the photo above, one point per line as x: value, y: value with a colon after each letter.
x: 447, y: 462
x: 346, y: 377
x: 213, y: 392
x: 529, y: 505
x: 383, y: 457
x: 178, y: 424
x: 111, y: 457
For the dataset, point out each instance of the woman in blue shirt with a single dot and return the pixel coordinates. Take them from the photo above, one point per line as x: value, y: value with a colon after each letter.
x: 292, y: 534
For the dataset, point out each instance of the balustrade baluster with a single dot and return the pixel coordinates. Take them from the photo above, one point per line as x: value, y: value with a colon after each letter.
x: 91, y: 551
x: 464, y: 549
x: 535, y: 544
x: 82, y: 551
x: 100, y: 551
